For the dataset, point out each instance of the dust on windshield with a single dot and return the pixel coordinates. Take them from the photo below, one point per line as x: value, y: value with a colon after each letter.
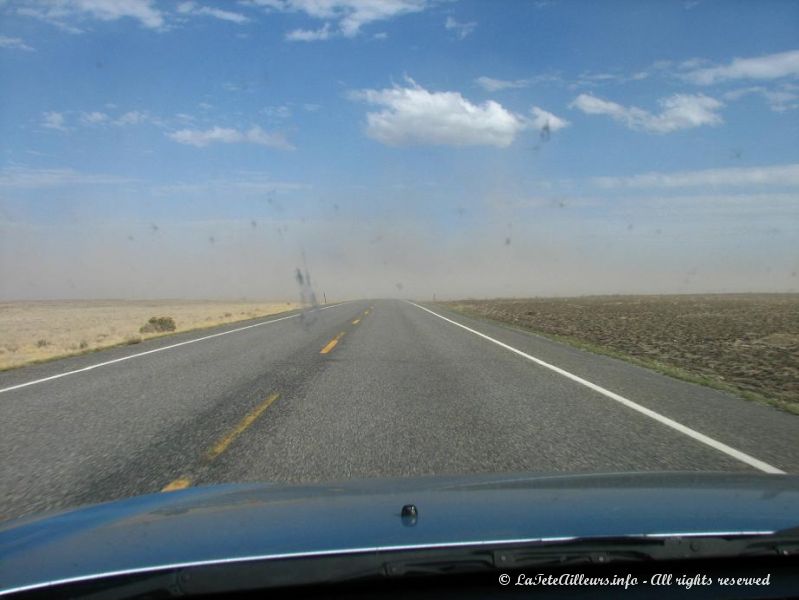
x: 296, y: 242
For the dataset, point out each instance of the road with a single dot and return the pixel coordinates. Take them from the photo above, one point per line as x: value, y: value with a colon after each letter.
x: 359, y: 389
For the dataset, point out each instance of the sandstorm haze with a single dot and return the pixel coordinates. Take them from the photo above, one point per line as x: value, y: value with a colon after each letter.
x: 348, y: 258
x: 424, y: 149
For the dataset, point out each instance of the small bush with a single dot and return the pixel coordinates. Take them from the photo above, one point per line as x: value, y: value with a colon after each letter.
x: 42, y: 343
x: 158, y: 325
x: 228, y: 315
x: 83, y: 344
x: 132, y: 340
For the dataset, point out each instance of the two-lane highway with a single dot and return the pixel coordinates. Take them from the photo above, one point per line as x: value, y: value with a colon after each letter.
x: 359, y: 389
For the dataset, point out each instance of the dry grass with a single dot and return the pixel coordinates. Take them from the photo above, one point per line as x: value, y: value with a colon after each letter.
x: 744, y: 343
x: 36, y: 331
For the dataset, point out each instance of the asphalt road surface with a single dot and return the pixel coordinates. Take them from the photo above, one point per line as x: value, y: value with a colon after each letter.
x: 382, y: 388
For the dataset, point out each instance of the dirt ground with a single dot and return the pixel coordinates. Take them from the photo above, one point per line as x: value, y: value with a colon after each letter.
x: 35, y: 331
x: 748, y: 343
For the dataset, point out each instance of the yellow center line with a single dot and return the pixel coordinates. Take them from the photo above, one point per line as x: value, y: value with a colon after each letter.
x: 356, y: 321
x: 223, y: 443
x: 179, y: 484
x: 332, y: 343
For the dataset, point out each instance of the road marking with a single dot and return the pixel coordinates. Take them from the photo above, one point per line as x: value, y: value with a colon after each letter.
x: 700, y: 437
x: 331, y: 344
x: 356, y: 321
x: 179, y: 484
x: 161, y: 349
x: 214, y: 451
x: 223, y: 443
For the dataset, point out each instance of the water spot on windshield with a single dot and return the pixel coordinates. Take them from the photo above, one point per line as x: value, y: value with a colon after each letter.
x: 545, y: 133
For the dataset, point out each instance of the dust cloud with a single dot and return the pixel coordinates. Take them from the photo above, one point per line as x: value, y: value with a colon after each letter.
x: 551, y: 253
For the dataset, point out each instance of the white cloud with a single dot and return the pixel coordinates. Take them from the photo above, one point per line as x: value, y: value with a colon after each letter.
x: 309, y: 35
x: 495, y: 85
x: 244, y: 182
x: 604, y: 78
x: 546, y: 122
x: 781, y: 175
x: 54, y: 120
x: 226, y: 135
x: 57, y: 120
x: 277, y: 113
x: 592, y: 77
x: 14, y: 43
x: 414, y: 115
x: 59, y: 12
x: 691, y: 64
x: 779, y: 100
x: 192, y: 8
x: 24, y: 177
x: 94, y: 118
x: 771, y: 66
x: 462, y: 30
x: 680, y: 111
x: 491, y: 84
x: 133, y: 117
x: 349, y: 15
x: 741, y: 92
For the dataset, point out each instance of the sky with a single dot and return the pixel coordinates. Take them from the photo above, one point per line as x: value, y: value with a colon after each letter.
x: 397, y: 148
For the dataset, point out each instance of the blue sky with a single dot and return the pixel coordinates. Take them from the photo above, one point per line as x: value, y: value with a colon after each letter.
x: 402, y: 147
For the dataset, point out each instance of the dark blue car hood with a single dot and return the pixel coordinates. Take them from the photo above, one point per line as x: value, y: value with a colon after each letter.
x: 226, y: 523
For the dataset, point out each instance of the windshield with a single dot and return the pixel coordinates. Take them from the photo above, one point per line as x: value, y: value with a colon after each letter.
x: 296, y: 242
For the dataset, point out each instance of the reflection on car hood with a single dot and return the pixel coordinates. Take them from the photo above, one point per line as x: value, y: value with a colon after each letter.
x: 237, y: 522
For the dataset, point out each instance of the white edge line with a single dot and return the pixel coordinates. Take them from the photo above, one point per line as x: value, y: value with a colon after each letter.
x: 364, y: 550
x: 161, y: 349
x: 700, y: 437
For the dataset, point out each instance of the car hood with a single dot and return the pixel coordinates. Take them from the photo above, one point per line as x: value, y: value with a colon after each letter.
x: 225, y: 523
